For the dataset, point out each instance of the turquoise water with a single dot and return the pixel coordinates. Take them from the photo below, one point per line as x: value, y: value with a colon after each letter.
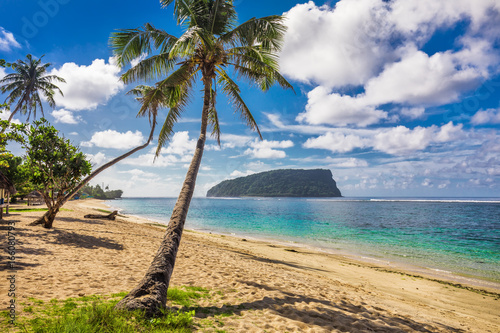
x: 456, y: 235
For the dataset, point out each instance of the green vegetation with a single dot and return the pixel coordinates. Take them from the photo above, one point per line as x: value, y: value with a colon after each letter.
x: 279, y: 183
x: 27, y: 83
x: 98, y: 193
x: 212, y: 49
x: 97, y: 314
x: 53, y: 164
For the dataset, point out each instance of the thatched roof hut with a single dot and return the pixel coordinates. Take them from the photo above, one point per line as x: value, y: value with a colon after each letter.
x: 34, y: 198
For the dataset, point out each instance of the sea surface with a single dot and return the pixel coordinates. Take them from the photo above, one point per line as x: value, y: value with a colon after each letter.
x: 460, y: 236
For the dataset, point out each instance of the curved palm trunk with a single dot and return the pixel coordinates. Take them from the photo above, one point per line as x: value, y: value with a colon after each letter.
x: 150, y: 295
x: 48, y: 218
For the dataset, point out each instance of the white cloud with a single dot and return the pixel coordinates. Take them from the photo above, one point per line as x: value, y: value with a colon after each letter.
x: 114, y: 139
x: 2, y: 72
x: 398, y: 140
x: 339, y: 46
x: 489, y: 116
x: 7, y: 41
x: 97, y: 159
x: 137, y: 60
x: 5, y: 114
x: 65, y: 117
x: 266, y: 149
x: 419, y: 79
x: 413, y: 113
x: 236, y: 173
x: 180, y: 144
x: 180, y: 149
x: 375, y: 44
x: 336, y: 142
x: 87, y: 87
x: 349, y: 163
x: 340, y: 110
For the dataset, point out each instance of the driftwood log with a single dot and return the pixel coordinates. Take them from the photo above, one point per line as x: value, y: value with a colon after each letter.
x: 111, y: 216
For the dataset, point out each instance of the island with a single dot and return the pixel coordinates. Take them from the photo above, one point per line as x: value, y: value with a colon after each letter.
x: 279, y: 183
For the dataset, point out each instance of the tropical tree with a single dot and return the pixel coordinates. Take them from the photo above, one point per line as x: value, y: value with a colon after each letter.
x: 149, y: 107
x: 28, y: 81
x: 211, y: 44
x: 53, y: 164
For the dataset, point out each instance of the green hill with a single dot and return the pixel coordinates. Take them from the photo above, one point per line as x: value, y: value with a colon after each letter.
x: 279, y: 183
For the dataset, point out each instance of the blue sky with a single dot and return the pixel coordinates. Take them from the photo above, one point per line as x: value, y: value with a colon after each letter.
x: 397, y: 98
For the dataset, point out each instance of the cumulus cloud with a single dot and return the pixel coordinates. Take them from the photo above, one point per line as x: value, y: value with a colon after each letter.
x: 266, y: 149
x: 180, y: 149
x: 336, y: 46
x: 489, y: 116
x: 97, y: 159
x: 349, y: 163
x: 402, y: 140
x: 398, y: 140
x: 7, y: 41
x: 335, y: 109
x: 115, y: 140
x: 180, y: 144
x: 65, y: 117
x: 87, y: 87
x: 2, y: 72
x: 336, y: 142
x: 376, y: 45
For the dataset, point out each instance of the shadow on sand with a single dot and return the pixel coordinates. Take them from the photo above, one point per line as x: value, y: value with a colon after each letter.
x: 340, y: 316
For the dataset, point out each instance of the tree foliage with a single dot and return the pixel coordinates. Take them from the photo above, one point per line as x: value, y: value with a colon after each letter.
x: 27, y: 83
x: 54, y: 165
x: 98, y: 193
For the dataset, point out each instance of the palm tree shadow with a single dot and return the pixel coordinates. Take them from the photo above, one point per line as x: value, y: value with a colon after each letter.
x: 71, y: 238
x: 342, y: 316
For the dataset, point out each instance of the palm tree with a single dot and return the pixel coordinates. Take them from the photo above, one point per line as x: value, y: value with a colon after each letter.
x: 210, y: 45
x: 150, y: 105
x: 26, y: 83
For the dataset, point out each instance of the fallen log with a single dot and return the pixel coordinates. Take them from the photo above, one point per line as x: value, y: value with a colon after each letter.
x: 111, y: 216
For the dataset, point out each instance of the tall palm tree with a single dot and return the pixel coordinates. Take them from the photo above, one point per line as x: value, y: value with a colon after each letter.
x: 26, y: 84
x: 211, y: 44
x: 150, y: 105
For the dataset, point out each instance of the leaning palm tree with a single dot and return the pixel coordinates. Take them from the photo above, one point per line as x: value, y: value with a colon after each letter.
x: 150, y: 104
x: 211, y: 44
x: 26, y: 84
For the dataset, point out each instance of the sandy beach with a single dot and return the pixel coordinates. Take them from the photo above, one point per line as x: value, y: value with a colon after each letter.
x: 270, y: 287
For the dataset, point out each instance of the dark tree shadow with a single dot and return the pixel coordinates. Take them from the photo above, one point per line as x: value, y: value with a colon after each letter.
x: 342, y: 316
x: 71, y: 238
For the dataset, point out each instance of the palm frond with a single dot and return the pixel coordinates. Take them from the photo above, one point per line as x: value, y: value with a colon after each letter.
x: 266, y: 31
x: 130, y: 44
x: 151, y: 68
x: 232, y: 91
x: 213, y: 118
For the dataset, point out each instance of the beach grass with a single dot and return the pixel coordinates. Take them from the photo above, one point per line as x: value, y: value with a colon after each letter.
x: 96, y: 313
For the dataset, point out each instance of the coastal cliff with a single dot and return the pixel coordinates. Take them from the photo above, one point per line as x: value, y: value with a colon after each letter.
x: 279, y: 183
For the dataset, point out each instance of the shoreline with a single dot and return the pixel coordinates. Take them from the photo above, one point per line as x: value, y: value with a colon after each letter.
x: 265, y: 286
x: 477, y: 282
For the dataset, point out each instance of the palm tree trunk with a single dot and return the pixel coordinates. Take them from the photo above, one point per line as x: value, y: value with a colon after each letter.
x: 150, y: 295
x: 49, y: 216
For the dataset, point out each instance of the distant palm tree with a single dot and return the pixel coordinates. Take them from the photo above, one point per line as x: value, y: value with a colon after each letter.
x: 210, y: 45
x: 26, y: 83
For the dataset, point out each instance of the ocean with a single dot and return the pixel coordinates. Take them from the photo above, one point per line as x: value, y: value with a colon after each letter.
x: 459, y: 236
